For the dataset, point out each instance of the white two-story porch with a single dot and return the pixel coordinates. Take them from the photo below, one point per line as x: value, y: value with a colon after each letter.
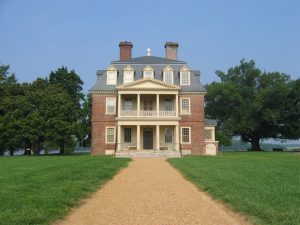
x: 148, y: 116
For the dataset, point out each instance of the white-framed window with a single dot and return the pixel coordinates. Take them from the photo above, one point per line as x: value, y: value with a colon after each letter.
x: 127, y: 134
x: 111, y: 77
x: 168, y: 104
x: 110, y: 105
x: 185, y: 135
x: 168, y: 135
x: 128, y: 77
x: 128, y: 104
x: 185, y: 106
x: 148, y: 72
x: 110, y: 135
x: 185, y: 76
x: 168, y: 77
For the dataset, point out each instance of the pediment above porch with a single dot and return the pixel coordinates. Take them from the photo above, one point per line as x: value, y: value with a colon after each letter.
x: 148, y: 84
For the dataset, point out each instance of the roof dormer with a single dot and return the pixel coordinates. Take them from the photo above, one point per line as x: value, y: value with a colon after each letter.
x: 168, y: 75
x: 148, y: 72
x: 185, y: 75
x: 128, y: 74
x: 111, y: 75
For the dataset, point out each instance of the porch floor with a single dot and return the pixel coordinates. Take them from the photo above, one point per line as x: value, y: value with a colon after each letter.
x: 148, y: 153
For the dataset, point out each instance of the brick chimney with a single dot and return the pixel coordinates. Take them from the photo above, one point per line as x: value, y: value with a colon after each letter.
x: 125, y: 50
x: 171, y: 50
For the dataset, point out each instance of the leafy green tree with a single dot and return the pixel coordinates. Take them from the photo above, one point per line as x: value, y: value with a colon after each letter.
x: 248, y: 102
x: 85, y: 124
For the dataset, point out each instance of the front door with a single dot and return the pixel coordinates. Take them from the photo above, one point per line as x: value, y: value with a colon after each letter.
x: 148, y: 138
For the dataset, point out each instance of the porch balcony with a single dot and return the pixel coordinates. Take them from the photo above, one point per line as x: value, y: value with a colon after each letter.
x: 146, y: 113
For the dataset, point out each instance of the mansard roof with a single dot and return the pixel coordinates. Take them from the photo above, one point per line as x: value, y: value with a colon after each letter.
x: 149, y: 60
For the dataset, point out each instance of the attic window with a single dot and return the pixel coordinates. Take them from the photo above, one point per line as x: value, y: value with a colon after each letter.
x: 111, y: 76
x: 168, y: 75
x: 148, y: 72
x: 128, y: 75
x: 185, y: 76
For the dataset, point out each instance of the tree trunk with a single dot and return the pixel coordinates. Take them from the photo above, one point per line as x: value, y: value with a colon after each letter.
x: 255, y: 146
x: 36, y: 149
x: 27, y: 147
x: 11, y: 152
x: 62, y: 148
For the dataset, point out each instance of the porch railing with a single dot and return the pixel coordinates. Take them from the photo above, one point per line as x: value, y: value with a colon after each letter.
x: 146, y: 113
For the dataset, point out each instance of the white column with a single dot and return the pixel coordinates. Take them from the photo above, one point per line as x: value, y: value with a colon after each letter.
x: 157, y: 105
x: 119, y: 105
x: 138, y: 104
x: 177, y: 141
x: 119, y: 138
x: 176, y: 105
x: 138, y: 135
x: 157, y: 138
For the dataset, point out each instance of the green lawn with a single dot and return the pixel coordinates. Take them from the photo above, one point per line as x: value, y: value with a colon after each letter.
x: 39, y: 190
x: 265, y: 186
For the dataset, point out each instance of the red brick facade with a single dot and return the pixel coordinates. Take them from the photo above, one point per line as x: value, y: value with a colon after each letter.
x: 196, y: 121
x: 100, y: 120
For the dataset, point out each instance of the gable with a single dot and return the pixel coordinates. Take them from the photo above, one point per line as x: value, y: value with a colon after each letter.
x: 148, y: 83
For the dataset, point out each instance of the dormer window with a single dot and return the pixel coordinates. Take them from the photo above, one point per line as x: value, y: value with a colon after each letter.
x: 128, y: 74
x: 185, y: 76
x: 111, y: 76
x: 148, y: 72
x: 168, y: 75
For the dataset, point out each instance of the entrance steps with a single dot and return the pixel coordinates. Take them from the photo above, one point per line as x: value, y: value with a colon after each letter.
x: 147, y: 154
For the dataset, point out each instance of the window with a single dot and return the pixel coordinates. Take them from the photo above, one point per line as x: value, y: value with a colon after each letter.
x: 127, y: 134
x: 128, y: 76
x: 185, y: 106
x: 111, y: 77
x: 110, y: 105
x: 148, y: 105
x: 168, y: 104
x: 186, y: 135
x: 168, y: 77
x: 185, y: 76
x: 128, y: 104
x: 110, y: 135
x: 168, y: 135
x: 148, y: 72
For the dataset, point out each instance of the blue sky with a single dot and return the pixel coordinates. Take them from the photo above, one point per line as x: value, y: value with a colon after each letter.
x: 38, y: 36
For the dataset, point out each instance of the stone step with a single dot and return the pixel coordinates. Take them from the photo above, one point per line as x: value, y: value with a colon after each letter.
x: 148, y: 154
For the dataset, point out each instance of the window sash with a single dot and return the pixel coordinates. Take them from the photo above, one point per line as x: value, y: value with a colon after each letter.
x: 127, y: 134
x: 110, y: 135
x: 185, y: 106
x: 110, y: 105
x: 168, y: 135
x: 111, y: 77
x: 128, y: 77
x: 168, y: 77
x: 168, y: 104
x: 148, y: 74
x: 185, y: 78
x: 185, y: 135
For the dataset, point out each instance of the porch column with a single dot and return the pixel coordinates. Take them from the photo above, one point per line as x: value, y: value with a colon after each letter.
x: 157, y: 138
x: 138, y: 105
x: 119, y: 105
x: 177, y: 141
x: 138, y: 135
x: 176, y: 105
x: 157, y: 105
x: 119, y: 138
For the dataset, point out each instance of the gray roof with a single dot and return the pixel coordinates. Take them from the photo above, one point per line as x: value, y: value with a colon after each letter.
x: 149, y: 60
x: 211, y: 122
x: 158, y: 64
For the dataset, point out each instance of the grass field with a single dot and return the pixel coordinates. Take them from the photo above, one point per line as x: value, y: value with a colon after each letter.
x: 265, y: 186
x: 38, y: 190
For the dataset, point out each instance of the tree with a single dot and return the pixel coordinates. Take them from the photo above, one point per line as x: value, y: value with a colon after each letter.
x: 248, y: 102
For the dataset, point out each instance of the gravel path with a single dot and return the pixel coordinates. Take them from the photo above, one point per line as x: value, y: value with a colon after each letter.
x: 151, y: 192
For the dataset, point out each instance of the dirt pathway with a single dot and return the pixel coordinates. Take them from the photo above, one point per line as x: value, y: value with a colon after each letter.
x: 151, y: 192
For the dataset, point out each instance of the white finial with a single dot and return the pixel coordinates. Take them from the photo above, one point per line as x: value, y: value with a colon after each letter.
x: 148, y: 51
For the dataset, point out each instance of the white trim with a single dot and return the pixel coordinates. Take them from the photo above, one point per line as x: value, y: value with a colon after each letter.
x: 190, y: 134
x: 181, y: 110
x: 148, y: 69
x: 106, y: 106
x: 107, y: 142
x: 187, y: 70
